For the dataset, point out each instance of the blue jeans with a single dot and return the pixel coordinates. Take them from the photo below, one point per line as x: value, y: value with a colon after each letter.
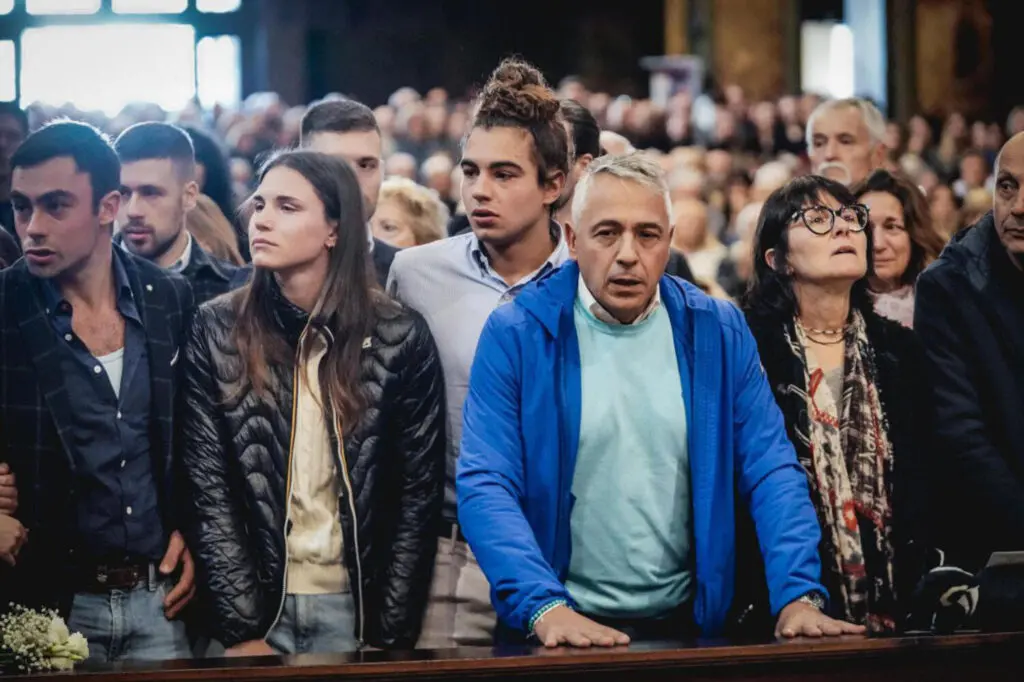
x: 129, y: 625
x: 315, y: 624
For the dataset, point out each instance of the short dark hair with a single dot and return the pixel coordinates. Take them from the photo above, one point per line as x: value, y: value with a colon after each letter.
x: 586, y: 133
x: 17, y: 113
x: 86, y: 145
x: 337, y: 116
x: 151, y: 140
x: 214, y: 158
x: 771, y: 292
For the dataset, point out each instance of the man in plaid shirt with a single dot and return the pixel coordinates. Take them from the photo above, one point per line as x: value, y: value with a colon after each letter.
x: 89, y: 348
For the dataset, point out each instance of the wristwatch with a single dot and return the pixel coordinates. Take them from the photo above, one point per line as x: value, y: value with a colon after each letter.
x: 815, y: 599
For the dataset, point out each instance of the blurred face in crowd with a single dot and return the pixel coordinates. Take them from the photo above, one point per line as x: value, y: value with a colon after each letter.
x: 691, y: 227
x: 621, y: 244
x: 60, y: 232
x: 942, y: 205
x: 11, y: 137
x: 393, y: 224
x: 155, y: 199
x: 401, y: 165
x: 838, y: 256
x: 893, y: 136
x: 1008, y: 202
x: 362, y: 150
x: 979, y: 134
x: 289, y: 230
x: 500, y: 191
x: 842, y: 148
x: 719, y: 164
x: 892, y: 240
x: 973, y: 170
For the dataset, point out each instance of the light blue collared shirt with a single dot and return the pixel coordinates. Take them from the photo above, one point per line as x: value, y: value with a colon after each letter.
x: 452, y: 284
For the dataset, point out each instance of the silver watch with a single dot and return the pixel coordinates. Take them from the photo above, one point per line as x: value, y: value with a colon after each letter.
x: 815, y: 599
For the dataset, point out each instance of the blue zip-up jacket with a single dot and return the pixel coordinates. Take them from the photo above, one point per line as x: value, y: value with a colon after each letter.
x: 521, y: 434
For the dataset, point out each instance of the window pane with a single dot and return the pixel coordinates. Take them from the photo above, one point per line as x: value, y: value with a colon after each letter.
x: 138, y: 6
x: 86, y: 65
x: 62, y: 6
x: 7, y: 93
x: 218, y: 6
x: 6, y: 6
x: 219, y: 71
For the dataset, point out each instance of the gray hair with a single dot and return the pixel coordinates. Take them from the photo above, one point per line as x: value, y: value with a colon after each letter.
x: 635, y: 167
x: 869, y: 113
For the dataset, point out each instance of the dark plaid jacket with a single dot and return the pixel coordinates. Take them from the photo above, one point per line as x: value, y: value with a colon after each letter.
x: 209, y: 276
x: 35, y: 420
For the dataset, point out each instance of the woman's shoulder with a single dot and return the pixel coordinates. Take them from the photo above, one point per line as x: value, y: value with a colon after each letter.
x: 890, y: 336
x: 221, y: 310
x: 397, y: 324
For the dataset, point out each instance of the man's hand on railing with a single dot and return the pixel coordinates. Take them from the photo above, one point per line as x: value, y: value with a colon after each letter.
x: 256, y: 647
x: 800, y: 619
x: 561, y: 625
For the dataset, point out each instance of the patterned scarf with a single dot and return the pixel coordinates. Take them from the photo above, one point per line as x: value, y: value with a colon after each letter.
x: 848, y: 461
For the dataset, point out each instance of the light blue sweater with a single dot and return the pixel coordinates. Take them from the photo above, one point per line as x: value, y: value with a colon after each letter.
x: 631, y: 521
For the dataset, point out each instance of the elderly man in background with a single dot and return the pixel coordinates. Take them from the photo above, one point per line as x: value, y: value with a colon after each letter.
x: 846, y: 139
x: 597, y: 486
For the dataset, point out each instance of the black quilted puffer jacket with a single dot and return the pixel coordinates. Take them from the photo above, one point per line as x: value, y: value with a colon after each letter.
x: 235, y: 459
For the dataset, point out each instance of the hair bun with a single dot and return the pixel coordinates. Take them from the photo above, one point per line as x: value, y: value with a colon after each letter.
x: 517, y: 90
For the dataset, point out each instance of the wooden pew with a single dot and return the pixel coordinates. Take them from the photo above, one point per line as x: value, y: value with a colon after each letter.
x: 971, y: 657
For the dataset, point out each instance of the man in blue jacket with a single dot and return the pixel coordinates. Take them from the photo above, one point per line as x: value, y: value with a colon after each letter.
x: 613, y: 415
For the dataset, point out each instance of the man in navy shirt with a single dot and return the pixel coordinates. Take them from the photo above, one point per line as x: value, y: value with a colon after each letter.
x: 89, y: 339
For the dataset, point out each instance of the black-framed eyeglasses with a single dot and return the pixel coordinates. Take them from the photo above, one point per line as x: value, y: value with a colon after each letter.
x: 821, y: 219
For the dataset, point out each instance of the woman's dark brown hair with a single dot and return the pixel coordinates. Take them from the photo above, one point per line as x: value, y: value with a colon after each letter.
x: 349, y: 304
x: 517, y: 96
x: 925, y: 242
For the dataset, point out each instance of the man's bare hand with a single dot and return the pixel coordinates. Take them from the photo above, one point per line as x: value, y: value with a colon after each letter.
x: 803, y: 620
x: 181, y: 594
x: 561, y: 625
x: 8, y: 490
x: 13, y: 537
x: 256, y: 647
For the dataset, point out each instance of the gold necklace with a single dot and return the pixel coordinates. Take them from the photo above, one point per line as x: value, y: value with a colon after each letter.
x: 822, y: 332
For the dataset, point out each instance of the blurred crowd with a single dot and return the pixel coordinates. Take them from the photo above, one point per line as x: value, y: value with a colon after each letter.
x: 723, y: 154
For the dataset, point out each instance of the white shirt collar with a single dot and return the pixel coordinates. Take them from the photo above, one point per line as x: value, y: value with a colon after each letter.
x: 186, y: 256
x: 599, y: 312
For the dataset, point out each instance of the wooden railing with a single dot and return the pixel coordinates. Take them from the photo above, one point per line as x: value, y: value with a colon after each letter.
x: 970, y: 658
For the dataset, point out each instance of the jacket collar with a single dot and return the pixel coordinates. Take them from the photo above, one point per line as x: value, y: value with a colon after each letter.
x: 978, y: 254
x: 554, y: 295
x: 199, y: 259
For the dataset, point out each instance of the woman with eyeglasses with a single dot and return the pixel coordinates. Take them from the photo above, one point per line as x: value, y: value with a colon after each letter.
x: 853, y: 391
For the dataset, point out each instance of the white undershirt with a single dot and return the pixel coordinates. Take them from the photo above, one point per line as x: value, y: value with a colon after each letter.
x: 114, y: 366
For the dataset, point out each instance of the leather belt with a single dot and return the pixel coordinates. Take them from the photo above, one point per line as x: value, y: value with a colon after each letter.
x: 102, y: 578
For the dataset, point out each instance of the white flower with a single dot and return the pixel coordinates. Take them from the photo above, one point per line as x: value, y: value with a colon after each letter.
x: 77, y: 646
x: 61, y: 663
x: 58, y: 632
